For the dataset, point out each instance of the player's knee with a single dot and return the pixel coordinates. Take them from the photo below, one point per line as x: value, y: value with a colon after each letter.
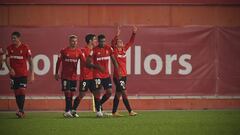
x: 67, y: 93
x: 123, y: 92
x: 118, y: 94
x: 20, y: 91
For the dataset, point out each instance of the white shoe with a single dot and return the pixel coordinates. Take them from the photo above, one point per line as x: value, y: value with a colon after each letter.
x: 106, y: 114
x: 67, y: 114
x: 74, y: 114
x: 99, y: 114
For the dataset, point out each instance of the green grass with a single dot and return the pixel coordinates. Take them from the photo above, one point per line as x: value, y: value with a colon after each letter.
x: 146, y: 123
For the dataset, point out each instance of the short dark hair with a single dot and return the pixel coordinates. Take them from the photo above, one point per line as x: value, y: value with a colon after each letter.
x: 89, y: 37
x: 101, y: 36
x: 16, y: 33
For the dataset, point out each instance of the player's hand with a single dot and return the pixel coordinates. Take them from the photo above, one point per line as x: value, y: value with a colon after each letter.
x: 118, y: 31
x: 100, y: 68
x: 135, y: 29
x: 12, y: 72
x: 56, y: 77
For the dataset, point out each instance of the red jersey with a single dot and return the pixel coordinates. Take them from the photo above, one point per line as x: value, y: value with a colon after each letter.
x: 101, y: 56
x: 120, y: 56
x: 86, y: 73
x: 69, y: 58
x: 18, y: 59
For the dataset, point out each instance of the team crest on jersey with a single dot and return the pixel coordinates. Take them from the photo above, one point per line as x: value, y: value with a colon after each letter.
x: 20, y: 51
x: 98, y: 53
x: 11, y: 51
x: 106, y: 51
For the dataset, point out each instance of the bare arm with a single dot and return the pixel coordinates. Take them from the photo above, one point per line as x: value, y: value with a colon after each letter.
x: 114, y: 41
x: 59, y: 61
x: 114, y: 61
x: 11, y: 71
x: 31, y: 68
x: 131, y: 41
x: 89, y: 64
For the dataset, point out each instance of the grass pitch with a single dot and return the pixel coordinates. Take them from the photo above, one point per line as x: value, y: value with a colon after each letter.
x: 220, y: 122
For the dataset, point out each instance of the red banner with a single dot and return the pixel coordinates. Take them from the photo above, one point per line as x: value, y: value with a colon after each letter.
x: 119, y: 2
x: 197, y: 61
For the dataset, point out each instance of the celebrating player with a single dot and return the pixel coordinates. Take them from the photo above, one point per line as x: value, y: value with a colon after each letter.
x: 120, y: 83
x: 101, y: 56
x: 69, y: 57
x: 17, y: 55
x: 86, y: 76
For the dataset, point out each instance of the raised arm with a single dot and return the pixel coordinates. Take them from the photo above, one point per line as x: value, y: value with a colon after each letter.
x: 114, y: 41
x: 131, y: 41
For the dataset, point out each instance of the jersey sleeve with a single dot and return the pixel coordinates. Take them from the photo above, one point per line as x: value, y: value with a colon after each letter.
x: 61, y: 54
x: 28, y: 52
x: 82, y: 56
x: 110, y: 49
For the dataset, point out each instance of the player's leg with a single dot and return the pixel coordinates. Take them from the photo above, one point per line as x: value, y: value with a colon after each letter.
x: 97, y: 94
x: 78, y: 99
x: 19, y: 87
x: 73, y: 88
x: 82, y: 92
x: 115, y: 104
x: 68, y: 97
x: 107, y: 85
x: 125, y: 97
x: 118, y: 94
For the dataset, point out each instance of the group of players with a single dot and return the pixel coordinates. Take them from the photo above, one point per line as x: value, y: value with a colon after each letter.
x: 94, y: 71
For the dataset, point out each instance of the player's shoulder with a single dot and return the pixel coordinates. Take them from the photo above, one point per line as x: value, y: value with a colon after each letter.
x: 63, y: 49
x: 85, y: 49
x: 108, y: 47
x: 79, y: 50
x: 25, y: 46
